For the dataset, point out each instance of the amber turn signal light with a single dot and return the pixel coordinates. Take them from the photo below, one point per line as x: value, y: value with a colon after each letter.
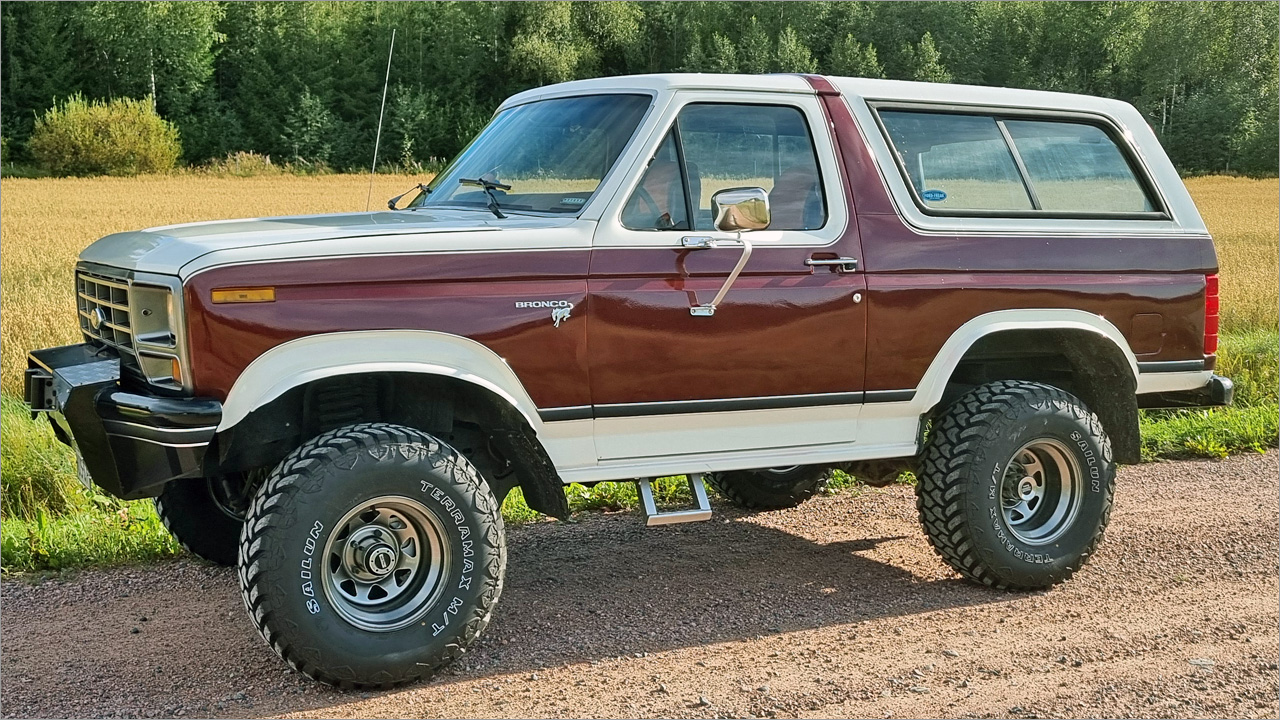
x: 176, y: 371
x: 244, y: 295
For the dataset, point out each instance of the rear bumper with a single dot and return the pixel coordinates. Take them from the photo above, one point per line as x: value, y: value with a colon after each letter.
x: 132, y: 443
x: 1217, y: 392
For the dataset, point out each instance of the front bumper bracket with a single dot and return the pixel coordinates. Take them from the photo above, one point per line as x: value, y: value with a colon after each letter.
x: 132, y: 443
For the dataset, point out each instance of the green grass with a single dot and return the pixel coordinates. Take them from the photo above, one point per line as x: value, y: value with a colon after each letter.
x: 36, y: 471
x: 1209, y: 433
x: 51, y: 523
x: 112, y: 533
x: 1252, y: 361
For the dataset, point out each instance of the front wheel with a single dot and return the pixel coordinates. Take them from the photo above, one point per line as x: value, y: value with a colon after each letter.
x: 372, y: 556
x: 1016, y: 484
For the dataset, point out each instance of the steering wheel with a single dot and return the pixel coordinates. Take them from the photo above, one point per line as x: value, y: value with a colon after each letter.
x: 662, y: 221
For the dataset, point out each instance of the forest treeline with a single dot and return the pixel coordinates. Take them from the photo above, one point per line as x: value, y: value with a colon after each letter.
x: 301, y: 81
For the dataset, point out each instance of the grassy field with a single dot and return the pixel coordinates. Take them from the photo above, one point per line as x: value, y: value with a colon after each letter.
x: 50, y: 523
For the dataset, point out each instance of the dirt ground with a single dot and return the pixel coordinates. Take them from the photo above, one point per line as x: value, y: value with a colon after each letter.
x: 837, y: 608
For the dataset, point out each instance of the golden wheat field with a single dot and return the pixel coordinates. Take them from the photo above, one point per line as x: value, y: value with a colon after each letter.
x: 44, y: 223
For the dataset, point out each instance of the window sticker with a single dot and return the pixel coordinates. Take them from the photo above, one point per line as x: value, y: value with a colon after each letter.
x: 933, y: 195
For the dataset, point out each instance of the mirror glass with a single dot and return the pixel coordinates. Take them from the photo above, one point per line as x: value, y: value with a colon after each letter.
x: 737, y: 209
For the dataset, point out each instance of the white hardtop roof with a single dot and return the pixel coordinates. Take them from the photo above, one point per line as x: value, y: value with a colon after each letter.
x: 867, y: 88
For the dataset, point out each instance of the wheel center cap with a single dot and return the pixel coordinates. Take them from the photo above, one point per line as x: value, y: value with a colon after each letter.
x: 380, y: 559
x: 1026, y: 488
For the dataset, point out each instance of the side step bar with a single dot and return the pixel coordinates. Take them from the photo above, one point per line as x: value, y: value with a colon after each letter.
x: 700, y: 511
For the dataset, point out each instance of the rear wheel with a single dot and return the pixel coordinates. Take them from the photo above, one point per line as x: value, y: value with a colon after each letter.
x: 771, y: 489
x: 372, y: 556
x: 1016, y: 484
x: 205, y: 515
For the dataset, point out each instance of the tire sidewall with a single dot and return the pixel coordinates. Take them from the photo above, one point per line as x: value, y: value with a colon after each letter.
x: 447, y: 486
x: 1072, y: 426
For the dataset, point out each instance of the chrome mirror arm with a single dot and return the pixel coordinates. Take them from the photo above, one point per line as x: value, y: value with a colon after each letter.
x: 709, y: 310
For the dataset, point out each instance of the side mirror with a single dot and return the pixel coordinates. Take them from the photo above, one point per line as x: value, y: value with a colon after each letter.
x: 737, y: 209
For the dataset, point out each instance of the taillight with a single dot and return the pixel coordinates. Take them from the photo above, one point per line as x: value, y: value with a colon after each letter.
x: 1210, y: 314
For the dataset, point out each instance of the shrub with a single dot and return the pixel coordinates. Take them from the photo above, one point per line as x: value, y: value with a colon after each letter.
x: 113, y: 137
x: 244, y: 164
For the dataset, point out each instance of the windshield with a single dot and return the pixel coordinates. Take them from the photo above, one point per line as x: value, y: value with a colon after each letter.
x: 547, y: 156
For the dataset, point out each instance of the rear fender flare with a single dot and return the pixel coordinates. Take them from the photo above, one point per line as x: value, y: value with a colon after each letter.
x: 930, y: 390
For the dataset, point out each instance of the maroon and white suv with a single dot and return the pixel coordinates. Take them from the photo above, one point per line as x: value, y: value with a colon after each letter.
x: 744, y: 280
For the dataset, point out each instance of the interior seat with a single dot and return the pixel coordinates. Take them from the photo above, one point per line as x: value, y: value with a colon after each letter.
x: 795, y: 202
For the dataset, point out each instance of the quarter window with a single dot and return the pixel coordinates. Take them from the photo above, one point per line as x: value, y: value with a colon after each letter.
x: 991, y: 165
x: 1075, y: 167
x: 714, y: 146
x: 658, y: 203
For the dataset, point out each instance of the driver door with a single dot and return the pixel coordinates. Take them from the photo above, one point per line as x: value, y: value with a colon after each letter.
x: 780, y: 362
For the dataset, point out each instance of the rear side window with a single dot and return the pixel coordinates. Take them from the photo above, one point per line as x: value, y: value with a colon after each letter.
x: 978, y: 164
x: 957, y: 161
x: 1075, y: 167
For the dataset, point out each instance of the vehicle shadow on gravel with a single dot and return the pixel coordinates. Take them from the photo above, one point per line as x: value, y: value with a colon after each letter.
x: 613, y: 587
x: 596, y: 589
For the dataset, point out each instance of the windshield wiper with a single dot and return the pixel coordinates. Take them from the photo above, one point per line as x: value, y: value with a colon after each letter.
x: 489, y: 186
x: 391, y: 204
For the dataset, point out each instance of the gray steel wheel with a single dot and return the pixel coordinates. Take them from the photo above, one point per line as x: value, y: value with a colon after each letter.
x: 385, y: 563
x: 1040, y: 491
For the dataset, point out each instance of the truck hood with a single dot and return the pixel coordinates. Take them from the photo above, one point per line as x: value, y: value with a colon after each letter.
x: 173, y: 249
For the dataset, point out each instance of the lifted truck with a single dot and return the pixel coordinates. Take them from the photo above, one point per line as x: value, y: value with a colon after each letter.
x: 749, y: 281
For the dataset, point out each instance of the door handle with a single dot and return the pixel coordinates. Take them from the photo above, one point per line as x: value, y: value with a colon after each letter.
x: 698, y: 242
x: 843, y: 264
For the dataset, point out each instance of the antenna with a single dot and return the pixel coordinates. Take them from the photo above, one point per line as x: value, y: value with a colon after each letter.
x: 378, y: 138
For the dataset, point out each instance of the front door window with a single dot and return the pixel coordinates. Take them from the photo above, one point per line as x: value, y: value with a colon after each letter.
x: 715, y: 146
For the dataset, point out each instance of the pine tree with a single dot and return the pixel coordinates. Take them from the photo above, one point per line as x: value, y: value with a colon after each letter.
x: 792, y: 54
x: 723, y: 57
x: 926, y: 61
x: 853, y: 59
x: 755, y: 54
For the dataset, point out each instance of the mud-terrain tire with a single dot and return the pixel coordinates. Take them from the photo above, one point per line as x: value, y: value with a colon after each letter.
x: 371, y: 506
x: 770, y: 489
x: 1015, y: 485
x: 206, y: 525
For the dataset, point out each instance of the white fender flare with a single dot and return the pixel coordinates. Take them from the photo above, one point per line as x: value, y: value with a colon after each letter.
x: 934, y: 382
x: 314, y: 357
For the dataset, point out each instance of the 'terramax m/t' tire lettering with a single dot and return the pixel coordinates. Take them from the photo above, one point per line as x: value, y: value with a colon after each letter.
x: 372, y: 556
x: 1016, y: 485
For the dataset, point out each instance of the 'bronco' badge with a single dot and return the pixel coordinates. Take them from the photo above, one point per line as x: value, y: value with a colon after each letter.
x: 560, y: 309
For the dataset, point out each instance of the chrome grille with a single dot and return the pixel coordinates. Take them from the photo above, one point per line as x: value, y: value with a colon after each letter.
x: 103, y: 303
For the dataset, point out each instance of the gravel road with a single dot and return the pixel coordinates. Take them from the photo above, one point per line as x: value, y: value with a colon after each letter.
x: 837, y: 608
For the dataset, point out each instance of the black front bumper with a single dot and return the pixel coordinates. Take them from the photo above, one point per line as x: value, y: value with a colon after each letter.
x: 132, y: 443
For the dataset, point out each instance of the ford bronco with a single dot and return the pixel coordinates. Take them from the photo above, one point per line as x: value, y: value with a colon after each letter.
x: 746, y: 281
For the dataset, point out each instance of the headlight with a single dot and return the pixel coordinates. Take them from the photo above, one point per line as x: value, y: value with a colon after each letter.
x: 156, y: 314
